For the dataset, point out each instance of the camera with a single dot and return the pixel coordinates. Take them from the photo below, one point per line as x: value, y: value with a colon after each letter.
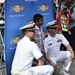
x: 65, y: 8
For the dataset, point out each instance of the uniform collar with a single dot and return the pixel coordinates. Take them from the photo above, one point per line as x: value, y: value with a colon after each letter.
x: 26, y: 38
x: 37, y: 27
x: 50, y: 38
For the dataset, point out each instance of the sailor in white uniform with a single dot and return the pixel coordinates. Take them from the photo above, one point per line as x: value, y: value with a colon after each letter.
x: 52, y: 46
x: 25, y: 52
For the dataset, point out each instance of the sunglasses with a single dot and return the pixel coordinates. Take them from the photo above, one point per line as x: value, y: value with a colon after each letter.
x: 53, y: 28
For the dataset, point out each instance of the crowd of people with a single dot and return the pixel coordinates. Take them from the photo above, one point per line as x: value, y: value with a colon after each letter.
x: 36, y: 55
x: 64, y: 12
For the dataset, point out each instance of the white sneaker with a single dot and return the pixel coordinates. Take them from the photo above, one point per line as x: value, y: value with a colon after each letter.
x: 62, y: 72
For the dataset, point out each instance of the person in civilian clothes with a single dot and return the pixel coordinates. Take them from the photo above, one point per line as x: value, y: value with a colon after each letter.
x: 64, y: 17
x: 71, y: 6
x: 39, y: 36
x: 52, y: 47
x: 26, y: 51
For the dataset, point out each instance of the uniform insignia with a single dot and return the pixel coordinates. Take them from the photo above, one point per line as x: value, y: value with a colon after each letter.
x: 59, y: 40
x: 50, y: 44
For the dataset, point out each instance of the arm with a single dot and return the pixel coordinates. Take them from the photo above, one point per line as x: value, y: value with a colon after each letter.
x: 70, y: 16
x: 46, y: 55
x: 49, y: 60
x: 58, y: 16
x: 37, y: 54
x: 69, y: 48
x: 40, y: 61
x: 67, y: 45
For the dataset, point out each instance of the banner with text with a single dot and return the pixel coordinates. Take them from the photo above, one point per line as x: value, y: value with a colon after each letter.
x: 17, y: 14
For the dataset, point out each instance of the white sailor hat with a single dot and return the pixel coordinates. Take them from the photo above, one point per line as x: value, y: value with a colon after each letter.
x: 28, y: 27
x: 52, y: 24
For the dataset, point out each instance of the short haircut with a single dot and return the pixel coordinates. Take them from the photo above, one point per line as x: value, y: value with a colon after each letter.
x: 37, y: 17
x: 24, y: 31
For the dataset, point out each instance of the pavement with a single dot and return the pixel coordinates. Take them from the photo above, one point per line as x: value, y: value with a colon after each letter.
x: 71, y: 71
x: 2, y: 68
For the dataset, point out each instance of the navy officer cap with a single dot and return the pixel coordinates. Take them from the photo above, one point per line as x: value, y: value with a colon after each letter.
x: 28, y: 27
x: 52, y: 24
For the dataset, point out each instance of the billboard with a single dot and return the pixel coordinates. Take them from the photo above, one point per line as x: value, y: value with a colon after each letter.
x: 17, y: 14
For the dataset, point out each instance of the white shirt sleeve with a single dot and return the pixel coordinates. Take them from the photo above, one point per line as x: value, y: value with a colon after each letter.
x: 36, y: 52
x: 64, y: 40
x: 45, y: 46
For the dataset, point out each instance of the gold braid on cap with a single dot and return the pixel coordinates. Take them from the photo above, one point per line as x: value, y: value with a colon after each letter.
x: 30, y: 28
x: 54, y: 25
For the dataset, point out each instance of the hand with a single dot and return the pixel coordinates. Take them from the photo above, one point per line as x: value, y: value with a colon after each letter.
x: 69, y: 33
x: 72, y: 56
x: 54, y: 66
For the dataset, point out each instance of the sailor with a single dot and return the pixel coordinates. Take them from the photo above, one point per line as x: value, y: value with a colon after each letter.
x: 52, y: 47
x: 25, y: 52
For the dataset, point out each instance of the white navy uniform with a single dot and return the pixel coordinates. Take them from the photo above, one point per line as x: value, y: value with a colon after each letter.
x: 26, y: 51
x: 53, y: 44
x: 52, y: 48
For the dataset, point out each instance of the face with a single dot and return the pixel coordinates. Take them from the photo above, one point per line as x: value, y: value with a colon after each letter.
x: 2, y: 1
x: 40, y: 22
x: 17, y: 8
x: 52, y: 31
x: 43, y: 7
x: 31, y: 35
x: 64, y: 10
x: 16, y: 39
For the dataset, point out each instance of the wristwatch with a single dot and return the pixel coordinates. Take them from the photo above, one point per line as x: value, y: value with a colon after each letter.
x: 51, y: 63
